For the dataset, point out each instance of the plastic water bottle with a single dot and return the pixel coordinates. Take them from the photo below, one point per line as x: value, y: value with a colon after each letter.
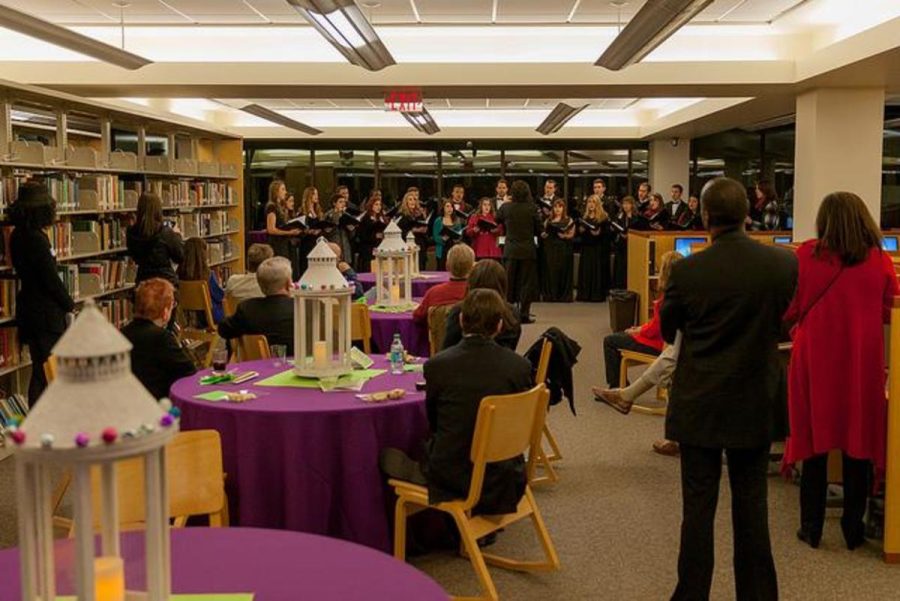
x: 397, y: 355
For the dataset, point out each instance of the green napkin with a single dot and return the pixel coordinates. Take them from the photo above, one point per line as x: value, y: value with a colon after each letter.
x: 393, y: 309
x: 414, y: 368
x: 215, y: 395
x: 291, y: 380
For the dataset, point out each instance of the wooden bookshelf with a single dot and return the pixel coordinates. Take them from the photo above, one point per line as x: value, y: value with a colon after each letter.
x: 67, y: 141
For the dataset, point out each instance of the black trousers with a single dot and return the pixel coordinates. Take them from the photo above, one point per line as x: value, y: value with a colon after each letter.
x: 614, y: 343
x: 522, y: 279
x: 814, y: 488
x: 40, y: 344
x: 754, y: 568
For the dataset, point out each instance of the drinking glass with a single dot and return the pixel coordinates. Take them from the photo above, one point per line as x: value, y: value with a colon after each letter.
x: 278, y: 352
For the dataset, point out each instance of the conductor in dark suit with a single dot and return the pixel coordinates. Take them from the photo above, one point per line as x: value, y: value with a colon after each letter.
x: 273, y: 315
x: 725, y: 392
x: 452, y: 404
x: 522, y: 222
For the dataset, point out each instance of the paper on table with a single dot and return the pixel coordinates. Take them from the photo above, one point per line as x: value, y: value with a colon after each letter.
x: 203, y: 597
x: 414, y: 367
x: 214, y: 395
x: 289, y: 379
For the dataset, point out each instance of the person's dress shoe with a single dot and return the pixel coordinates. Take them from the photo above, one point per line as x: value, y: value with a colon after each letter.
x: 487, y: 540
x: 810, y: 539
x: 613, y: 398
x: 669, y: 448
x: 854, y: 536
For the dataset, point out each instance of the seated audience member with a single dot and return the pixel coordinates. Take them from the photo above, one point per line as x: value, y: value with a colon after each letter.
x: 459, y: 264
x: 452, y: 404
x: 157, y: 359
x: 489, y: 274
x: 242, y: 286
x: 195, y: 268
x: 347, y: 271
x: 272, y: 315
x: 643, y: 339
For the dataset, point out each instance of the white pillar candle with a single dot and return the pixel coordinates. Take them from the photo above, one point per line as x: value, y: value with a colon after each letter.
x: 109, y: 578
x: 320, y: 354
x: 395, y: 294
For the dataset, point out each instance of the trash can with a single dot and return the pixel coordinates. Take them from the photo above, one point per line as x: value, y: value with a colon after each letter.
x: 623, y: 308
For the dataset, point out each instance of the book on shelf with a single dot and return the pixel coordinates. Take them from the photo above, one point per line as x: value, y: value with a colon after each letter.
x: 60, y: 236
x: 8, y: 289
x: 9, y: 190
x: 13, y: 409
x: 109, y: 233
x: 99, y: 276
x: 10, y: 351
x: 68, y: 273
x: 73, y: 192
x: 119, y: 311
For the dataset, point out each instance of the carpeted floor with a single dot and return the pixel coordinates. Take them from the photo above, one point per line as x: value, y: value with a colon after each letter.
x: 615, y: 514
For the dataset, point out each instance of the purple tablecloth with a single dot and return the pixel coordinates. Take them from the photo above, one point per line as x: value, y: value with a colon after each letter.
x: 419, y: 285
x: 275, y: 566
x: 300, y: 459
x: 414, y: 336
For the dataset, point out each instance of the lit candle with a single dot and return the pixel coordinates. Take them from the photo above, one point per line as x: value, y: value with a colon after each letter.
x: 320, y: 354
x: 109, y: 579
x: 395, y: 293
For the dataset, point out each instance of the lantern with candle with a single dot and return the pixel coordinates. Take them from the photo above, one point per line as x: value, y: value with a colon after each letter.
x: 393, y: 269
x: 414, y: 255
x: 322, y: 317
x: 93, y: 415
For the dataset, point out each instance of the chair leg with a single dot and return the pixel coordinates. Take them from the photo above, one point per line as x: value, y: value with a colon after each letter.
x: 555, y: 454
x: 623, y: 372
x: 476, y: 559
x: 400, y: 530
x: 543, y: 533
x: 367, y: 345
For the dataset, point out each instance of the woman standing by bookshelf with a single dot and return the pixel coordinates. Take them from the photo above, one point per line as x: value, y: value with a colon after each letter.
x: 277, y: 216
x: 154, y: 245
x: 312, y: 211
x: 195, y: 268
x: 371, y: 233
x: 559, y: 230
x: 446, y: 231
x: 593, y: 268
x: 43, y: 301
x: 484, y: 232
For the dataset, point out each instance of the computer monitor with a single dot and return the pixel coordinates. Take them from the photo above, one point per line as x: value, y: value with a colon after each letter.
x: 782, y: 240
x: 683, y: 245
x: 889, y: 244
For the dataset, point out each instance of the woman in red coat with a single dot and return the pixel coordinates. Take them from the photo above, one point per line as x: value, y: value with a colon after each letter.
x: 836, y: 396
x: 484, y: 232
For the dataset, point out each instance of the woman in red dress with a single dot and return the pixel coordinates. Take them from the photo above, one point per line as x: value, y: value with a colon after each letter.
x: 836, y: 397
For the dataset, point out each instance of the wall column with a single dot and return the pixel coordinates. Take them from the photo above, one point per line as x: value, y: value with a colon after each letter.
x: 839, y: 147
x: 670, y: 164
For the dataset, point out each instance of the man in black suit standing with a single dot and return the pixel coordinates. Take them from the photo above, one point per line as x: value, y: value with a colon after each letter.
x: 726, y: 391
x: 676, y: 206
x: 452, y: 404
x: 523, y: 224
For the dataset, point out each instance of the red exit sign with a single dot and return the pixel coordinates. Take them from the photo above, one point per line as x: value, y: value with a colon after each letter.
x: 404, y: 100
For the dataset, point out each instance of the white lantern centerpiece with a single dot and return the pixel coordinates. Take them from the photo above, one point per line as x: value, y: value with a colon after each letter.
x: 393, y: 269
x: 414, y: 251
x: 322, y: 317
x: 94, y: 414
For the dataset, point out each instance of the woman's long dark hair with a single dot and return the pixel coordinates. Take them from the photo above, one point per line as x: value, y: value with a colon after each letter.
x: 490, y: 274
x: 149, y: 218
x: 520, y: 191
x: 195, y: 266
x: 846, y: 228
x: 33, y: 214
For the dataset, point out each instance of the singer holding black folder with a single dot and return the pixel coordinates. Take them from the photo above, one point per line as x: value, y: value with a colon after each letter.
x: 344, y: 229
x: 371, y: 233
x: 446, y: 231
x: 627, y: 219
x: 559, y: 231
x: 311, y: 213
x: 277, y: 216
x: 414, y: 220
x: 484, y: 232
x: 593, y: 267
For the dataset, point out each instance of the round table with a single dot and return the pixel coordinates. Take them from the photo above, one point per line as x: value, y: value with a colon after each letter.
x: 275, y: 566
x: 419, y: 285
x: 301, y: 459
x: 413, y: 335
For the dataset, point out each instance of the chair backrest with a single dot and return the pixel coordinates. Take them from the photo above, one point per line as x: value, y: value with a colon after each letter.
x: 360, y: 322
x: 50, y: 368
x: 194, y: 296
x: 229, y: 305
x: 253, y: 346
x: 540, y: 374
x: 195, y: 478
x: 437, y: 327
x: 507, y: 426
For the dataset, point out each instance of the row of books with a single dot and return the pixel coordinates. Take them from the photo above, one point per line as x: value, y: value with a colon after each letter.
x: 96, y: 277
x: 210, y: 223
x: 118, y: 311
x: 220, y: 250
x: 13, y: 409
x: 10, y: 351
x: 94, y: 192
x: 60, y: 235
x: 191, y: 194
x: 9, y: 190
x: 102, y: 234
x: 224, y: 272
x: 8, y: 289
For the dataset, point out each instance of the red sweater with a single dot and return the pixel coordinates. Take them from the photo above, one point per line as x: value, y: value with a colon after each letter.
x: 447, y: 293
x: 650, y: 333
x: 484, y: 243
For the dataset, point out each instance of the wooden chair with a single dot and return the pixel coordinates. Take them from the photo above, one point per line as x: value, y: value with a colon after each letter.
x: 50, y: 368
x: 506, y: 427
x: 544, y: 459
x: 437, y: 327
x: 630, y: 359
x: 361, y: 325
x: 193, y: 298
x: 229, y: 305
x: 196, y: 484
x: 252, y: 346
